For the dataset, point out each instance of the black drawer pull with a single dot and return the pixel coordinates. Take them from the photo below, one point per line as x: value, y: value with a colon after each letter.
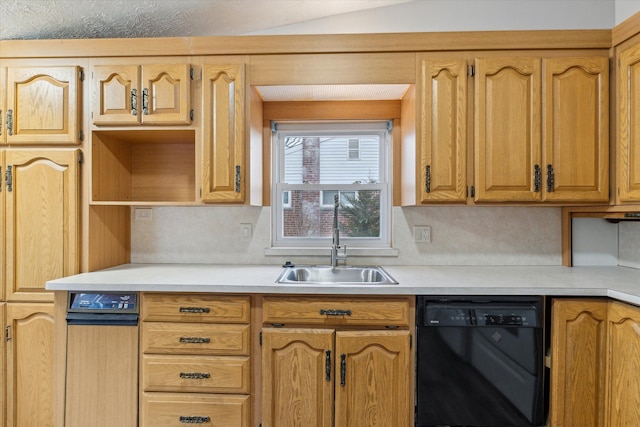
x: 324, y: 312
x: 195, y: 375
x: 194, y: 309
x: 194, y: 420
x: 195, y: 340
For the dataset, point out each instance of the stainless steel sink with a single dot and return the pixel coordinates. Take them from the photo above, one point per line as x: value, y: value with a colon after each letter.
x: 327, y: 275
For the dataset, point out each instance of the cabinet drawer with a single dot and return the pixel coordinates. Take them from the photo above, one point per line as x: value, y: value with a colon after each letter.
x: 336, y: 310
x: 203, y: 374
x: 195, y: 308
x: 176, y: 410
x: 195, y: 338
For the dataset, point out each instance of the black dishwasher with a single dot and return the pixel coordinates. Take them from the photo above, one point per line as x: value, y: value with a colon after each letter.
x: 480, y: 361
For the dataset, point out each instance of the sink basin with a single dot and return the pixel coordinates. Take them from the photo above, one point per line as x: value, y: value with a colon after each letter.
x: 345, y: 275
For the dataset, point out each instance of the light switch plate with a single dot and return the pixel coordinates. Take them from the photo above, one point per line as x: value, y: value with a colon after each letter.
x: 143, y: 214
x: 245, y: 232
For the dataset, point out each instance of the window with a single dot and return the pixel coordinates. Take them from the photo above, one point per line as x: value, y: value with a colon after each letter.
x: 354, y: 149
x: 310, y: 168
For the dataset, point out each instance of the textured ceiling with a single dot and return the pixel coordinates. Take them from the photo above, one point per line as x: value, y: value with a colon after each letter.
x: 70, y: 19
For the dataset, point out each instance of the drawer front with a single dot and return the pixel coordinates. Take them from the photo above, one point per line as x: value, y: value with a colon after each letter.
x: 204, y: 308
x: 201, y: 374
x: 336, y: 311
x: 178, y: 410
x: 195, y: 338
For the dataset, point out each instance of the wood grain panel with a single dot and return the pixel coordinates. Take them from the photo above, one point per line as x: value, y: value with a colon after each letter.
x: 365, y: 68
x: 624, y: 365
x: 363, y: 311
x: 201, y: 374
x: 99, y: 381
x: 375, y: 391
x: 199, y: 308
x: 578, y: 354
x: 30, y: 364
x: 442, y: 102
x: 628, y: 126
x: 195, y: 338
x: 295, y: 389
x: 576, y: 128
x: 166, y: 409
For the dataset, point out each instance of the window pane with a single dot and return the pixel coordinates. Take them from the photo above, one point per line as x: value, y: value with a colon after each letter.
x: 322, y: 160
x: 357, y: 216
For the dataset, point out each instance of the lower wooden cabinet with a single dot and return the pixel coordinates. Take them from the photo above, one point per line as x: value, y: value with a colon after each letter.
x: 3, y: 378
x: 595, y: 362
x: 331, y: 375
x: 178, y: 409
x: 195, y: 360
x: 578, y: 381
x: 29, y: 397
x: 623, y: 391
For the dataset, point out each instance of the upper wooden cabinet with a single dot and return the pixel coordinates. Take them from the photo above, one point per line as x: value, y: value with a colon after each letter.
x: 541, y: 130
x: 224, y: 165
x: 42, y: 221
x: 628, y: 127
x: 147, y: 94
x: 507, y: 130
x: 441, y: 154
x: 43, y: 106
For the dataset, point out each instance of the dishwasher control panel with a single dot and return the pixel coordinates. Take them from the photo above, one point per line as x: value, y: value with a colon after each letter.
x: 97, y: 302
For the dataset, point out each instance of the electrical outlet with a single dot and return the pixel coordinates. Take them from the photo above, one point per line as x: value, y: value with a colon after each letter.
x: 143, y: 214
x: 422, y: 233
x: 245, y: 232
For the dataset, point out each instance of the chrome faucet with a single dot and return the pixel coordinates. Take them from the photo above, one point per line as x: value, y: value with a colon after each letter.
x: 335, y: 247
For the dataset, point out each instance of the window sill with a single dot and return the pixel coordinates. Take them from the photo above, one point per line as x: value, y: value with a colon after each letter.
x: 351, y: 252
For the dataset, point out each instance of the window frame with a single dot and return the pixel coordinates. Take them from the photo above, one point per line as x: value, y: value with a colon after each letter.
x: 281, y: 130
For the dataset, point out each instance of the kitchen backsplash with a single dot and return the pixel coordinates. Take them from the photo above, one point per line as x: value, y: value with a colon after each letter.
x: 459, y: 236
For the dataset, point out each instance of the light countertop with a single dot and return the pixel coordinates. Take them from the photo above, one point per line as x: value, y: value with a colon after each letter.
x: 620, y: 283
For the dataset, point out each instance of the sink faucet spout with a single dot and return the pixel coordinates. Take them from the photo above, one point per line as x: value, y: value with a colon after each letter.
x: 335, y: 247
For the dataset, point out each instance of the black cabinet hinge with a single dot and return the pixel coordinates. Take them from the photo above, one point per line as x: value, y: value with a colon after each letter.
x: 260, y: 338
x: 81, y: 74
x: 192, y: 73
x: 80, y: 157
x: 471, y: 70
x: 81, y: 135
x: 473, y: 191
x: 191, y: 114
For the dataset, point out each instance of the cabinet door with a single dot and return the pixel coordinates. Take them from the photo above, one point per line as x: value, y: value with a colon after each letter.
x: 166, y: 94
x: 578, y: 355
x: 576, y: 129
x: 628, y: 134
x: 442, y: 133
x: 43, y: 105
x: 297, y: 377
x: 116, y: 95
x: 30, y: 365
x: 224, y: 168
x: 3, y: 105
x: 372, y: 388
x: 507, y: 130
x: 624, y: 365
x: 3, y: 192
x: 41, y: 221
x: 3, y: 376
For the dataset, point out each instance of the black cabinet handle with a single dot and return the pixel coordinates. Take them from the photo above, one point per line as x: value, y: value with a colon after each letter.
x: 194, y: 419
x: 327, y: 365
x: 343, y: 370
x: 332, y: 312
x: 194, y: 310
x: 195, y: 375
x: 195, y: 340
